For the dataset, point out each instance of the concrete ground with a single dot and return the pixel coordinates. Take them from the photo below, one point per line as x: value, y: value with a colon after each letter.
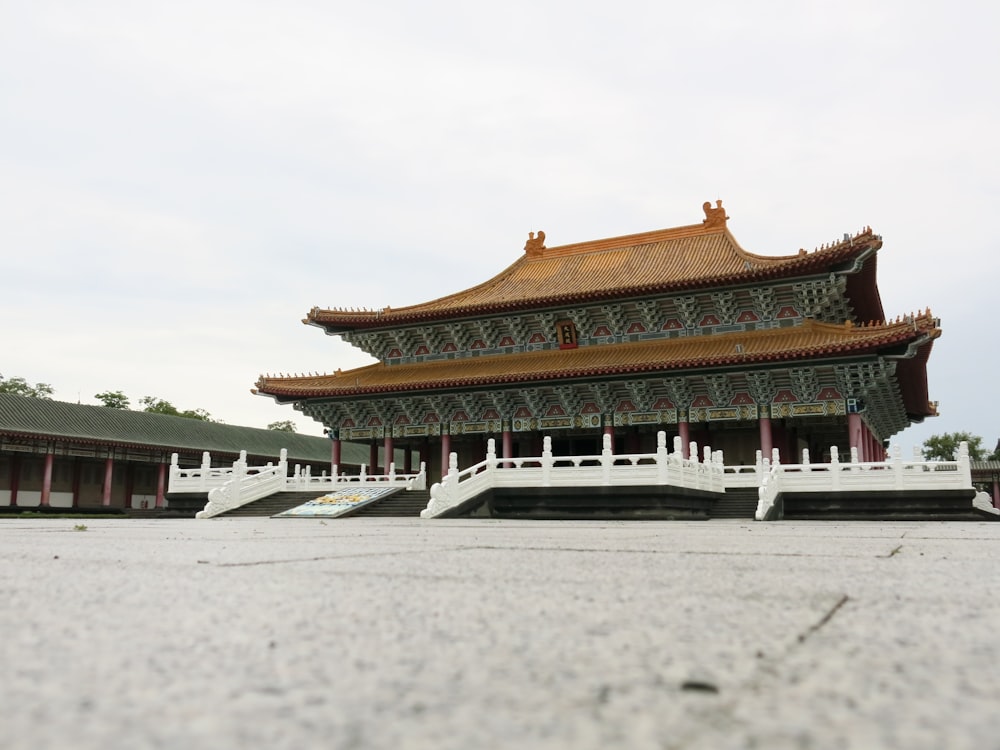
x: 400, y: 633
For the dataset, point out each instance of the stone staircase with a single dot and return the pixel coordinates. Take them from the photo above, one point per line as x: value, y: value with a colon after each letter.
x: 400, y: 504
x: 273, y: 504
x: 738, y: 502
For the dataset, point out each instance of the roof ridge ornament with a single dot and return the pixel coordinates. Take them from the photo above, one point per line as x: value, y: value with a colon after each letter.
x: 535, y: 245
x: 715, y: 218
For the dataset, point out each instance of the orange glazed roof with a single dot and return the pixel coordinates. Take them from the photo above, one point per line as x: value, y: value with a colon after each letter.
x: 811, y: 340
x: 687, y: 257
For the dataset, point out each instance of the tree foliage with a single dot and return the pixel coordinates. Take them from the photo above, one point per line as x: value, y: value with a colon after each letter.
x: 113, y: 399
x: 155, y: 405
x: 21, y: 387
x: 944, y: 447
x: 285, y: 425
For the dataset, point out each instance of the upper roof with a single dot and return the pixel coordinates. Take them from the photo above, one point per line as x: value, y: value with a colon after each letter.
x: 811, y: 340
x: 25, y: 417
x: 682, y: 258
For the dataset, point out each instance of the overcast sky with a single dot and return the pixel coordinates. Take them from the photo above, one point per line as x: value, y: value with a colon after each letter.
x: 181, y: 182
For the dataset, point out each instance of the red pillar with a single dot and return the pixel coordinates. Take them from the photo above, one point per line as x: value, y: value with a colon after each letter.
x: 335, y: 455
x: 445, y: 452
x: 684, y: 430
x: 109, y: 464
x: 854, y: 430
x: 507, y: 444
x: 766, y: 438
x: 389, y: 452
x: 47, y: 478
x: 161, y: 484
x: 996, y: 491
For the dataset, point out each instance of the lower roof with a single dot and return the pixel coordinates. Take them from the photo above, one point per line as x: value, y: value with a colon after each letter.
x: 811, y: 340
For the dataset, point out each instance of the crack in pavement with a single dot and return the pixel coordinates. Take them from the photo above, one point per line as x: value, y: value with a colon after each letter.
x: 824, y: 619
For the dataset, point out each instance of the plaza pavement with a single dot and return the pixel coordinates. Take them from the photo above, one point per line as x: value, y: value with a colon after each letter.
x: 401, y: 633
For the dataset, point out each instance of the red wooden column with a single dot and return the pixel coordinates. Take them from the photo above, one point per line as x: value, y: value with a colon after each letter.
x: 335, y: 455
x: 684, y: 430
x: 161, y: 484
x: 109, y: 467
x: 855, y: 432
x: 506, y: 442
x: 445, y: 452
x: 996, y: 491
x: 389, y: 453
x: 47, y: 478
x: 766, y: 438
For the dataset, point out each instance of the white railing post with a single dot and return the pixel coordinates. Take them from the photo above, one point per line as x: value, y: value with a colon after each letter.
x: 897, y: 466
x: 392, y: 471
x: 206, y: 466
x: 547, y: 461
x: 662, y: 458
x: 834, y: 467
x: 607, y: 460
x: 964, y: 465
x: 175, y: 471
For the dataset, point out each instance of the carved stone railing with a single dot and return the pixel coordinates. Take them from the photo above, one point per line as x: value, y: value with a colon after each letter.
x: 870, y: 476
x: 230, y: 487
x: 245, y: 485
x: 605, y: 469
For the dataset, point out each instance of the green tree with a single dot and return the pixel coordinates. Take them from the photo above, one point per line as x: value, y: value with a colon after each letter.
x: 285, y: 425
x: 155, y: 405
x: 113, y: 399
x: 944, y: 447
x: 21, y: 387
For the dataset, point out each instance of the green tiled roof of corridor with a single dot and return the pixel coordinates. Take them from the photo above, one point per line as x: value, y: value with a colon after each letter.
x: 34, y: 417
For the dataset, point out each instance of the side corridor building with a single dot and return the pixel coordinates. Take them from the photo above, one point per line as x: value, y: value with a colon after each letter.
x: 678, y: 329
x: 61, y: 455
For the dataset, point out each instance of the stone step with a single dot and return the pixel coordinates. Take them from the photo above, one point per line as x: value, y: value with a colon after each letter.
x: 402, y: 504
x: 736, y: 503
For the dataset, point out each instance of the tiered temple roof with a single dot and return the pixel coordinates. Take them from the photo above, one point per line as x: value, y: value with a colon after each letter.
x: 669, y: 269
x: 680, y: 259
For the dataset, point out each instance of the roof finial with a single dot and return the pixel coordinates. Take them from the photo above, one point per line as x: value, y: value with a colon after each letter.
x: 715, y: 218
x: 535, y: 245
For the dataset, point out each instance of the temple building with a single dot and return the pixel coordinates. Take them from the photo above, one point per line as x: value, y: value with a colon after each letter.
x: 678, y: 330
